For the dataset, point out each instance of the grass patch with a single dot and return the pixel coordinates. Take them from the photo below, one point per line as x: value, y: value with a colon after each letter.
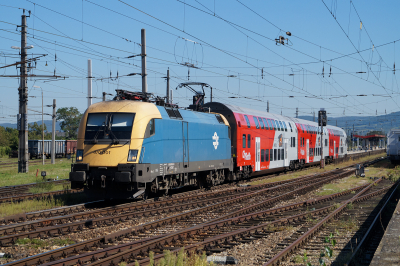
x: 342, y: 185
x: 297, y: 259
x: 35, y: 243
x: 63, y: 242
x: 43, y: 203
x: 350, y: 225
x: 43, y: 186
x: 39, y: 243
x: 310, y: 171
x: 176, y: 259
x: 12, y: 208
x: 9, y: 176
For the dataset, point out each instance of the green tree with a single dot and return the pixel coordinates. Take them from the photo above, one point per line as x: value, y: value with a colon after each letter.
x: 3, y: 137
x: 35, y: 131
x: 70, y: 118
x: 12, y: 137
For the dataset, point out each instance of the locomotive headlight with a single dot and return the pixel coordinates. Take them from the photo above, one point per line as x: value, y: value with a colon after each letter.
x: 79, y: 155
x: 132, y: 155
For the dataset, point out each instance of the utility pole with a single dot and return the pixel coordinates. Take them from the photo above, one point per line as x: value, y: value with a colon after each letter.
x: 104, y: 96
x: 89, y: 86
x: 144, y: 75
x: 171, y: 97
x: 53, y: 134
x: 297, y: 112
x: 313, y: 116
x: 23, y: 165
x: 268, y: 106
x: 42, y: 132
x: 167, y: 94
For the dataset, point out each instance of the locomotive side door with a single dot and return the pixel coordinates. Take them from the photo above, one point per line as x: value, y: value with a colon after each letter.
x: 308, y: 151
x: 258, y: 154
x: 185, y: 143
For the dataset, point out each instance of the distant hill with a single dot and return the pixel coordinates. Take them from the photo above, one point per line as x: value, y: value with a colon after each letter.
x: 363, y: 124
x: 48, y: 123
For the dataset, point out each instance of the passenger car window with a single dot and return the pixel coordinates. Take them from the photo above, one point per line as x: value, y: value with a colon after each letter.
x: 256, y: 122
x: 244, y: 140
x: 291, y: 130
x: 262, y: 155
x: 284, y: 125
x: 248, y: 141
x: 271, y: 155
x: 247, y: 121
x: 266, y: 155
x: 266, y: 123
x: 261, y: 123
x: 277, y: 127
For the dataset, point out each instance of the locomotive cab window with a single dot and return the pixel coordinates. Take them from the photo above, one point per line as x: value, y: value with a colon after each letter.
x: 109, y: 127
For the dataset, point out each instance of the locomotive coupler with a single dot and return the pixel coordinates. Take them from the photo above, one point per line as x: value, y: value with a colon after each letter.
x: 103, y: 181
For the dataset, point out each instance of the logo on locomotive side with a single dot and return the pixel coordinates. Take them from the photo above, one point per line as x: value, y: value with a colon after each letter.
x: 215, y: 142
x: 246, y: 156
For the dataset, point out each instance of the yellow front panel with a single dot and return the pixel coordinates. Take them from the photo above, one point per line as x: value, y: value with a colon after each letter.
x: 107, y: 155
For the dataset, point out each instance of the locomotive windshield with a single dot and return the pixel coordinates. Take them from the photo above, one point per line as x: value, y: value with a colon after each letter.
x: 109, y: 127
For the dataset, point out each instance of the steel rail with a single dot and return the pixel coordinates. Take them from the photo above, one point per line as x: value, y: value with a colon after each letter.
x: 92, y: 256
x: 8, y: 239
x: 177, y: 198
x: 86, y: 244
x: 310, y: 233
x: 39, y: 195
x: 244, y: 232
x: 370, y: 228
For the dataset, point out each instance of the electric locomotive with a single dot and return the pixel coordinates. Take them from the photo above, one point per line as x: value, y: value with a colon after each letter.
x: 129, y: 146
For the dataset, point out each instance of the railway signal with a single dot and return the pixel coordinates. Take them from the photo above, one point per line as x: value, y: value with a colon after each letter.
x: 322, y: 120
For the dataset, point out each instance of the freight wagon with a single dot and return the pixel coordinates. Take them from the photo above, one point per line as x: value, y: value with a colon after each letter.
x: 62, y: 148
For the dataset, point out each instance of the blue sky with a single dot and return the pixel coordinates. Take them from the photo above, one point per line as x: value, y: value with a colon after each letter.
x: 327, y: 62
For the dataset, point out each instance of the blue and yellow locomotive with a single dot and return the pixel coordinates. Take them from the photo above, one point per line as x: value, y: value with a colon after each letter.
x: 128, y: 146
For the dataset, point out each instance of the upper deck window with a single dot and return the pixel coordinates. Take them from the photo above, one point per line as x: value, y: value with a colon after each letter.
x: 266, y: 123
x: 109, y: 126
x: 261, y: 123
x: 247, y: 121
x: 256, y: 122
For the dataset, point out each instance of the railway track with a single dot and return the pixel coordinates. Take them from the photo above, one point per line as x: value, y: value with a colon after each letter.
x: 113, y: 215
x: 31, y: 162
x: 228, y: 206
x: 10, y: 191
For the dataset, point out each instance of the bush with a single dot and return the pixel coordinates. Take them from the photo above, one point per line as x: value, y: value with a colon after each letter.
x: 4, y: 151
